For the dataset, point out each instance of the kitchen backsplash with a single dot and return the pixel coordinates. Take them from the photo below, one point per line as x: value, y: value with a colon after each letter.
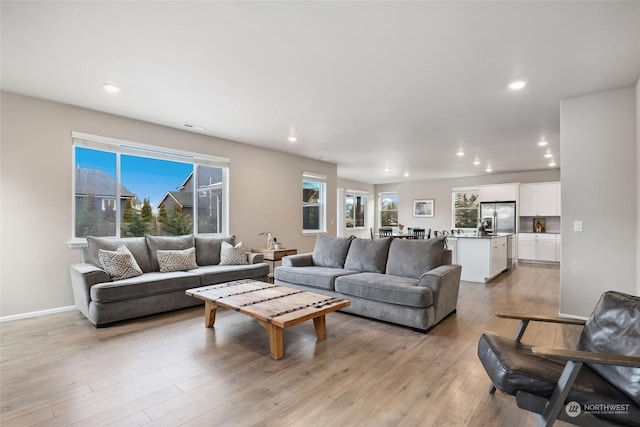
x: 540, y: 224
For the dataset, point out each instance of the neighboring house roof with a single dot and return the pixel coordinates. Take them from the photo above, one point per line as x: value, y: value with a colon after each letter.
x: 98, y: 183
x: 183, y: 198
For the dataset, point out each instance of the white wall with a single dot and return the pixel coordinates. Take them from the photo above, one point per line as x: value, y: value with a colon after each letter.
x: 36, y: 193
x: 638, y: 187
x: 599, y: 167
x: 440, y: 191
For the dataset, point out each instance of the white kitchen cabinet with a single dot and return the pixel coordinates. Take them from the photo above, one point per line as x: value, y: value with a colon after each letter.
x: 498, y: 256
x: 538, y: 247
x: 498, y: 193
x: 558, y: 247
x: 482, y: 258
x: 540, y: 199
x: 452, y: 245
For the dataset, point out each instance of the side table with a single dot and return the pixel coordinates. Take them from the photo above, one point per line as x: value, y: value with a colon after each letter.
x: 275, y: 255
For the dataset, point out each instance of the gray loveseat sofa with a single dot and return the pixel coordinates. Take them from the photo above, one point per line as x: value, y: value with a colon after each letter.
x: 407, y: 282
x: 103, y: 300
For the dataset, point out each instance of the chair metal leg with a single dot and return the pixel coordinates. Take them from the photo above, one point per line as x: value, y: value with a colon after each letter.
x: 560, y: 393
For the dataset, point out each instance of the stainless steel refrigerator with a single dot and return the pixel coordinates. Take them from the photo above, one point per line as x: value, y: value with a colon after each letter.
x: 500, y: 217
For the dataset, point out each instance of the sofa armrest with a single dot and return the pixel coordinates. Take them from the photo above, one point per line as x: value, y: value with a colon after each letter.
x: 83, y: 277
x: 444, y: 281
x: 255, y: 257
x: 300, y: 260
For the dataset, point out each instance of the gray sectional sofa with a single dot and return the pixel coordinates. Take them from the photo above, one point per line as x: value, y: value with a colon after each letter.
x: 407, y: 282
x: 103, y: 300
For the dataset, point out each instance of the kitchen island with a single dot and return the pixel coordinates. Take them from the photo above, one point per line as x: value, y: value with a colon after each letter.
x: 482, y: 257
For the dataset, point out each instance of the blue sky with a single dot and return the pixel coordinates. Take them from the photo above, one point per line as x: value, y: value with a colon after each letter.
x: 147, y: 178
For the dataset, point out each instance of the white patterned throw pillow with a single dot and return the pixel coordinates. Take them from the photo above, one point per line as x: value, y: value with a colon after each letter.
x: 177, y: 260
x: 233, y: 255
x: 119, y: 264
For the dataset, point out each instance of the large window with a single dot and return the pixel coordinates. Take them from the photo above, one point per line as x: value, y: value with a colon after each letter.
x: 388, y: 208
x: 356, y: 207
x: 313, y: 202
x: 125, y: 189
x: 465, y: 208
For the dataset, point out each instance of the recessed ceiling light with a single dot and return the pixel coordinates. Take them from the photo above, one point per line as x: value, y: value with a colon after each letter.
x: 476, y: 162
x: 387, y: 170
x: 542, y: 143
x: 460, y: 153
x: 292, y: 139
x: 110, y: 87
x: 406, y: 174
x: 488, y: 169
x: 548, y: 155
x: 552, y: 163
x: 517, y: 85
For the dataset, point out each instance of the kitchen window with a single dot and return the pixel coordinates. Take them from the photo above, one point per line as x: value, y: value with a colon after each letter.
x: 313, y: 202
x: 355, y: 209
x: 466, y: 207
x: 388, y: 208
x: 125, y: 189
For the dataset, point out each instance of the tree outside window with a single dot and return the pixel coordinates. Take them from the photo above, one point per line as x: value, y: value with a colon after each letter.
x: 388, y: 206
x: 355, y: 207
x: 313, y: 205
x: 465, y: 209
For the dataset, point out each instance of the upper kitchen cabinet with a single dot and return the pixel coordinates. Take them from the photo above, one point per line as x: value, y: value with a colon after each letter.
x: 540, y: 199
x: 498, y: 193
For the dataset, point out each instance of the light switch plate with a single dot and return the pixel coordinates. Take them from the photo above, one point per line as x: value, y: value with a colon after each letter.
x: 577, y: 225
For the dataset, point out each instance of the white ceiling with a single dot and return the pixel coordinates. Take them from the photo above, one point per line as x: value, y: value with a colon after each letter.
x: 366, y: 85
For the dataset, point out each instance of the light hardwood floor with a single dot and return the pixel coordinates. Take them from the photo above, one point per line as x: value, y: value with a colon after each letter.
x: 169, y: 370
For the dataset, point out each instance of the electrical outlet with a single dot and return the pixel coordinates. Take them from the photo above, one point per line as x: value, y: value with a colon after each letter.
x: 577, y: 225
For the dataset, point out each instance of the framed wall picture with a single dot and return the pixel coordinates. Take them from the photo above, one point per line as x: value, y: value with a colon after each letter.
x: 423, y: 208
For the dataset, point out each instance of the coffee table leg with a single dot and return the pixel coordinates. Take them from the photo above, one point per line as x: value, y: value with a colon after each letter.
x: 276, y: 339
x: 209, y: 313
x: 320, y: 324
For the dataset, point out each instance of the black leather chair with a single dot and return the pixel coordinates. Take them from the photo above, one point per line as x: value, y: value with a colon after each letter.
x: 597, y: 384
x: 385, y: 232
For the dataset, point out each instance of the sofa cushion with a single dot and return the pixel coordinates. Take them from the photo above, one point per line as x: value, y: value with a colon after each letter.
x: 317, y: 277
x: 166, y: 243
x: 214, y: 274
x: 368, y: 255
x: 614, y: 327
x: 177, y: 260
x: 136, y: 245
x: 119, y: 264
x: 385, y: 288
x: 331, y: 251
x: 412, y: 258
x: 208, y: 248
x: 149, y: 284
x: 233, y: 255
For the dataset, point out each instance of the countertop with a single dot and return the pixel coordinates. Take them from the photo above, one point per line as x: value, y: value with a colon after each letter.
x: 481, y: 236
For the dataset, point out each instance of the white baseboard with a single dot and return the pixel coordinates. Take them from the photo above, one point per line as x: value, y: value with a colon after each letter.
x: 37, y: 313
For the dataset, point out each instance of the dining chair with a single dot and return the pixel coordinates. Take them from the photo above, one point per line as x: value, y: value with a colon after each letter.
x: 419, y: 233
x: 385, y: 232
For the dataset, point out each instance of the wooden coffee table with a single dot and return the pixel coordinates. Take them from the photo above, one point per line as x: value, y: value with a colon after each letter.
x: 275, y: 307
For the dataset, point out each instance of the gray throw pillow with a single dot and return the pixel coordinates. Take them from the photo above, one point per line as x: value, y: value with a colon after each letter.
x: 119, y: 264
x: 208, y: 248
x: 166, y: 243
x: 368, y: 255
x: 331, y: 251
x: 412, y: 258
x: 136, y: 245
x: 177, y: 260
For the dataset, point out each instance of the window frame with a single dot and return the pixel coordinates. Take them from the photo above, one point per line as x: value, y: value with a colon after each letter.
x: 458, y: 190
x: 364, y: 196
x: 322, y: 203
x: 122, y: 147
x: 396, y: 210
